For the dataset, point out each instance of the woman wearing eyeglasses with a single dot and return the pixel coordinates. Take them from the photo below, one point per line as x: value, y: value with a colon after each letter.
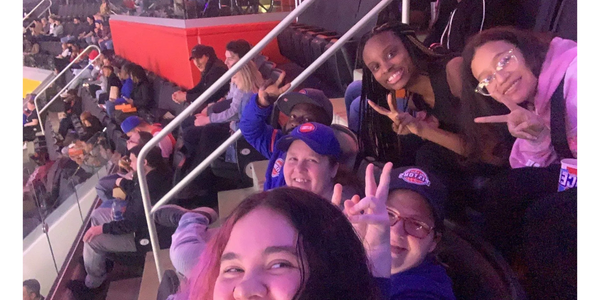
x: 535, y: 78
x: 407, y: 220
x: 525, y: 82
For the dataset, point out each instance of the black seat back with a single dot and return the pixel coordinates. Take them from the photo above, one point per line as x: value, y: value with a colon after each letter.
x: 476, y: 269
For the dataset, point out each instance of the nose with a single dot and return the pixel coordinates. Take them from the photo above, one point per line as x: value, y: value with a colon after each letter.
x: 501, y: 76
x: 251, y: 287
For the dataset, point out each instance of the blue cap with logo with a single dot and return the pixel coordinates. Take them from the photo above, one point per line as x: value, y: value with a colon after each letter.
x: 130, y: 123
x: 425, y: 184
x: 320, y: 138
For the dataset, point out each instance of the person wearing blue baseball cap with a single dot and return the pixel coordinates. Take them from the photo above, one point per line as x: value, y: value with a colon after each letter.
x: 405, y: 209
x: 135, y: 124
x: 307, y: 105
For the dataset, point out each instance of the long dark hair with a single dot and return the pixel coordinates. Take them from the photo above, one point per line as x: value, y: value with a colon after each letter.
x: 534, y: 47
x: 337, y: 264
x: 376, y: 136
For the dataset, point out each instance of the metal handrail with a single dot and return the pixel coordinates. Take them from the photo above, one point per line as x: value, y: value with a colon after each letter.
x: 47, y: 8
x: 67, y: 85
x: 193, y: 107
x: 154, y: 141
x: 405, y: 11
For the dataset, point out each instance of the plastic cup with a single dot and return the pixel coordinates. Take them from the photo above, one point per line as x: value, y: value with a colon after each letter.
x: 568, y: 174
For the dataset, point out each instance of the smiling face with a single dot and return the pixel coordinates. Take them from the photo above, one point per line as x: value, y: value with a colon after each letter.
x: 308, y: 170
x: 260, y: 260
x: 387, y: 58
x: 407, y: 250
x: 303, y: 113
x: 514, y: 82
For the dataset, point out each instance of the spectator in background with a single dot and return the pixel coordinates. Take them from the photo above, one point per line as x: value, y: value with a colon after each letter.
x: 129, y: 234
x: 113, y: 84
x: 91, y: 125
x: 31, y: 290
x: 135, y: 123
x: 212, y: 68
x: 105, y: 37
x: 32, y: 124
x: 105, y: 185
x: 125, y: 92
x: 73, y: 108
x: 45, y: 25
x: 88, y: 28
x: 211, y: 129
x: 37, y: 29
x: 57, y: 31
x: 76, y: 31
x: 142, y: 92
x: 88, y: 72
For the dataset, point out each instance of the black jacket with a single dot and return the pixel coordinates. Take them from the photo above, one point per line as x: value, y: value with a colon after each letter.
x: 213, y: 71
x: 134, y: 217
x: 142, y: 95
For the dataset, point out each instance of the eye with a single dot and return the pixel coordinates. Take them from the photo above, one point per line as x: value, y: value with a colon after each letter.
x: 503, y: 62
x: 233, y: 270
x: 291, y: 158
x: 374, y: 68
x: 280, y: 265
x: 391, y: 54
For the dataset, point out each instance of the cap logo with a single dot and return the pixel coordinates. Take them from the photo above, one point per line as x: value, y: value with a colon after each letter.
x: 415, y: 176
x: 285, y: 99
x: 303, y: 91
x: 277, y: 167
x: 306, y: 128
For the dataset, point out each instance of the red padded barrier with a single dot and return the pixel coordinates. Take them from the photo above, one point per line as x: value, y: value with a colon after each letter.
x: 165, y: 50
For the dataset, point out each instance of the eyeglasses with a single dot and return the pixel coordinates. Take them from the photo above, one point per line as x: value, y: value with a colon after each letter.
x: 484, y: 86
x: 413, y: 227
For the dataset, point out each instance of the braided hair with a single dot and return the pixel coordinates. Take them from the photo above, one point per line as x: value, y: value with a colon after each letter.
x: 376, y: 137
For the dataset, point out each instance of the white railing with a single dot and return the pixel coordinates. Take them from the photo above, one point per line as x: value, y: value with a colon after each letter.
x: 211, y: 90
x: 31, y: 12
x: 84, y: 52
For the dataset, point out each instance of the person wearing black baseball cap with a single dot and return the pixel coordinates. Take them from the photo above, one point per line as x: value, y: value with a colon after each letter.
x: 414, y: 200
x: 212, y: 68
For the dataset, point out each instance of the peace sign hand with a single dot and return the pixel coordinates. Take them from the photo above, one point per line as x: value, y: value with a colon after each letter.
x: 521, y: 122
x: 336, y: 199
x: 372, y: 212
x: 269, y: 91
x: 404, y: 123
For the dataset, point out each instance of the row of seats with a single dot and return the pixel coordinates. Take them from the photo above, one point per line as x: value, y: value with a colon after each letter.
x: 78, y: 10
x: 303, y: 44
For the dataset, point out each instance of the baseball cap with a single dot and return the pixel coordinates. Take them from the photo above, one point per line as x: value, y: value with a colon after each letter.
x: 200, y: 50
x: 320, y: 138
x: 316, y: 97
x: 130, y: 123
x: 425, y: 184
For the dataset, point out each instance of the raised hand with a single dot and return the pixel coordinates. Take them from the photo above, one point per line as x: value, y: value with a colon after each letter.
x: 522, y: 123
x: 336, y: 199
x: 269, y: 91
x: 372, y: 212
x: 404, y: 123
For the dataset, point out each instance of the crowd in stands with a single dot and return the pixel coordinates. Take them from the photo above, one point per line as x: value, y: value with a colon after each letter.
x: 480, y: 122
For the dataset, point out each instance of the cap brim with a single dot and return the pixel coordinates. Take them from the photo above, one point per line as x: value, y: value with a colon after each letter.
x: 284, y: 143
x: 286, y: 102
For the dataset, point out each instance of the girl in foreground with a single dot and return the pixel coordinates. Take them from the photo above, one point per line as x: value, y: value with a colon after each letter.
x: 286, y: 243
